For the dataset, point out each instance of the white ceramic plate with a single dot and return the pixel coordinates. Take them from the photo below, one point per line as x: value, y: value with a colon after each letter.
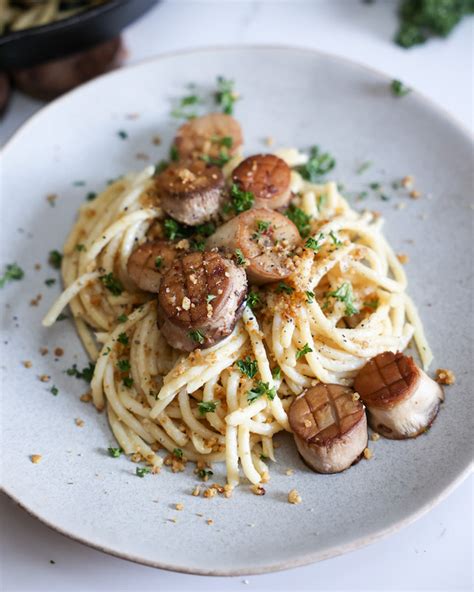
x: 299, y: 98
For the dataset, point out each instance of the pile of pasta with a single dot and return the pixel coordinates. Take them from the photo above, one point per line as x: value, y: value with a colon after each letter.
x: 154, y: 394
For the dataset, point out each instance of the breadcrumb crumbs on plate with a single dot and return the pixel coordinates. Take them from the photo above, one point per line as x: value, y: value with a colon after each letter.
x: 196, y: 491
x: 156, y: 140
x: 294, y: 497
x: 408, y: 181
x: 179, y: 507
x: 45, y: 378
x: 44, y: 351
x: 79, y: 422
x: 374, y: 437
x: 289, y: 472
x: 86, y: 397
x: 51, y: 198
x: 444, y: 376
x: 27, y: 364
x: 269, y: 140
x: 209, y: 521
x: 142, y: 156
x: 58, y: 352
x: 210, y: 492
x: 35, y: 458
x: 414, y: 194
x: 367, y: 453
x: 403, y: 258
x: 36, y: 301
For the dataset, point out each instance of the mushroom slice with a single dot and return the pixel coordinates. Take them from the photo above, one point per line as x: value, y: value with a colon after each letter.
x: 191, y: 192
x: 200, y: 300
x: 147, y: 264
x: 267, y: 177
x: 265, y: 239
x: 329, y: 426
x: 214, y: 135
x: 402, y: 400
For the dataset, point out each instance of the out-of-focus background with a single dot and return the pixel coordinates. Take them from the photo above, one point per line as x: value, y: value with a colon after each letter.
x: 436, y: 552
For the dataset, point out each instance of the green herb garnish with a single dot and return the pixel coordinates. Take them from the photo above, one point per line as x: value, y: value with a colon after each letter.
x: 335, y: 240
x: 54, y: 390
x: 80, y: 247
x: 86, y: 374
x: 299, y: 219
x: 91, y: 196
x: 276, y: 373
x: 247, y: 366
x: 363, y: 167
x: 55, y: 258
x: 113, y: 284
x: 344, y: 294
x: 314, y: 243
x: 303, y: 351
x: 399, y: 89
x: 174, y: 229
x: 309, y: 296
x: 373, y: 304
x: 114, y: 452
x: 207, y: 407
x: 12, y: 273
x: 262, y: 227
x: 123, y: 365
x: 239, y: 257
x: 210, y: 298
x: 282, y: 287
x: 174, y: 154
x: 177, y: 452
x: 240, y: 200
x: 127, y: 381
x: 142, y: 471
x: 50, y: 282
x: 197, y: 336
x: 319, y: 164
x: 225, y: 95
x: 204, y: 474
x: 122, y: 318
x: 122, y: 134
x: 260, y: 389
x: 218, y: 161
x: 161, y: 166
x: 123, y: 338
x: 253, y: 300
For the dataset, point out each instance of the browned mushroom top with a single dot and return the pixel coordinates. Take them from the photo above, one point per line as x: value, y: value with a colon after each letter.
x: 198, y: 286
x: 324, y: 412
x: 387, y: 379
x: 212, y: 135
x: 266, y: 176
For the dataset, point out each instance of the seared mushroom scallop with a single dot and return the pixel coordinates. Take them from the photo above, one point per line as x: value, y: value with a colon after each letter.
x: 213, y: 135
x: 264, y: 239
x: 267, y: 177
x: 191, y: 192
x: 329, y: 426
x: 200, y: 300
x: 402, y: 401
x: 147, y: 264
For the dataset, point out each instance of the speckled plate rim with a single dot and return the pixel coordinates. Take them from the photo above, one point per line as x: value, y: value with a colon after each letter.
x: 307, y: 558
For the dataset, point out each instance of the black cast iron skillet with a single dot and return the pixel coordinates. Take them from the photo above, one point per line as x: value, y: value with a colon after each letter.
x: 22, y: 49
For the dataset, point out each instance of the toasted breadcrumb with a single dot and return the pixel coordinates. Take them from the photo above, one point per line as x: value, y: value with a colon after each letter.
x: 210, y: 492
x: 86, y: 397
x: 403, y: 258
x: 156, y: 140
x: 228, y: 489
x: 368, y: 453
x: 79, y: 422
x: 307, y: 423
x: 45, y: 378
x: 51, y: 198
x: 210, y: 521
x: 374, y: 437
x: 257, y: 489
x: 294, y: 497
x: 179, y: 507
x: 44, y: 351
x: 269, y: 141
x: 58, y: 352
x: 35, y: 458
x: 444, y: 376
x: 415, y: 194
x: 196, y: 491
x: 408, y: 181
x: 27, y: 364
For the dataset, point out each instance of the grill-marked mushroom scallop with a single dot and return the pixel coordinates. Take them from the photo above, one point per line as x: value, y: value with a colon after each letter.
x: 265, y: 239
x: 200, y: 300
x: 214, y: 135
x: 147, y: 264
x: 267, y: 177
x: 329, y: 426
x: 191, y: 192
x: 402, y: 400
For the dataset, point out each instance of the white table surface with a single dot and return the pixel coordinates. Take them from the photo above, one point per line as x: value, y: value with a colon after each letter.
x: 435, y: 553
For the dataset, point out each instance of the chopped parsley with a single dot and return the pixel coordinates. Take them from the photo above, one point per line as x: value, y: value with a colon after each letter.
x: 314, y: 243
x: 344, y: 294
x: 50, y: 282
x: 319, y: 163
x: 263, y: 457
x: 158, y: 262
x: 55, y: 259
x: 299, y: 219
x: 142, y: 471
x: 363, y: 167
x: 62, y: 317
x: 204, y: 474
x: 123, y: 365
x: 177, y: 452
x: 262, y: 227
x: 79, y: 183
x: 122, y: 134
x: 225, y: 141
x: 218, y: 161
x: 375, y: 185
x: 399, y: 89
x: 86, y: 373
x: 113, y: 284
x: 161, y: 166
x: 239, y: 257
x: 205, y: 229
x: 122, y: 318
x: 335, y: 240
x: 174, y: 229
x: 182, y: 111
x: 123, y: 338
x: 174, y: 154
x: 54, y: 390
x: 303, y: 351
x: 373, y: 304
x: 253, y: 300
x: 91, y: 196
x: 282, y: 287
x: 197, y: 244
x: 197, y: 336
x: 127, y: 381
x: 321, y: 201
x: 207, y: 407
x: 276, y: 373
x: 210, y: 298
x: 12, y: 272
x: 114, y: 452
x: 225, y: 95
x: 240, y: 200
x: 260, y: 389
x: 309, y: 296
x: 80, y: 247
x: 247, y: 366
